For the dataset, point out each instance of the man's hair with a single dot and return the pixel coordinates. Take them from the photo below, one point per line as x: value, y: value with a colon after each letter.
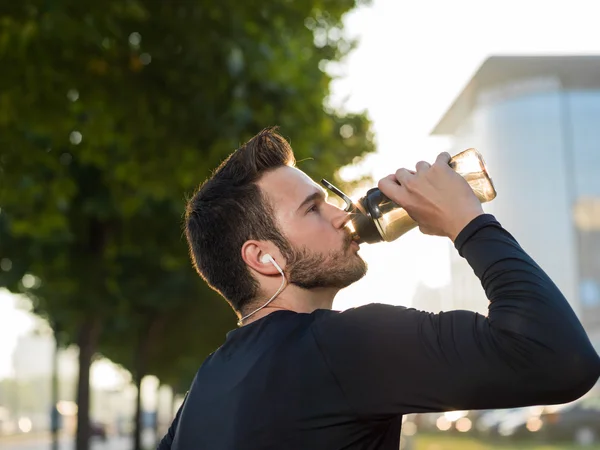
x: 228, y: 209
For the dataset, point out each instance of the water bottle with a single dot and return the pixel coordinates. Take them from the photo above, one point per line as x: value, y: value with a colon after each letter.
x: 376, y: 218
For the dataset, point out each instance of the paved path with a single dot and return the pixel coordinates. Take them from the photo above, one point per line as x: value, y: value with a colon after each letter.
x: 43, y: 443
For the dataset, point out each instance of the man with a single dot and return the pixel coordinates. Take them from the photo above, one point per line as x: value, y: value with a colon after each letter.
x: 297, y: 375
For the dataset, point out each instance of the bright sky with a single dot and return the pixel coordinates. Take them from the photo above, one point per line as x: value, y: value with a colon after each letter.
x: 13, y: 323
x: 413, y: 59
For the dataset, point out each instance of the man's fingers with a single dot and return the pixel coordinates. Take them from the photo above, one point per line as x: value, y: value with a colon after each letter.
x: 443, y: 158
x: 391, y: 189
x: 422, y: 165
x: 403, y: 175
x: 388, y: 183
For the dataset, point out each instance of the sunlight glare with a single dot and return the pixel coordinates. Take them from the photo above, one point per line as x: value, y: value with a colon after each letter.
x: 464, y: 424
x: 455, y: 415
x: 443, y: 424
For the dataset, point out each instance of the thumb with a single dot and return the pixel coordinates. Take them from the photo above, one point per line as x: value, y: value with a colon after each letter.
x: 443, y: 158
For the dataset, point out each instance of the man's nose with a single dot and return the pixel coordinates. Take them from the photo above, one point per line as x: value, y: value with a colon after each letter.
x: 341, y: 218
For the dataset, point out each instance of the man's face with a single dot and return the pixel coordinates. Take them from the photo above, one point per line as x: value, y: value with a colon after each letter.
x: 321, y: 252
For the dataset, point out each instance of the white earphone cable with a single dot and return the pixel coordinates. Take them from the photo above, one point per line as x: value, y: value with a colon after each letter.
x: 283, y: 280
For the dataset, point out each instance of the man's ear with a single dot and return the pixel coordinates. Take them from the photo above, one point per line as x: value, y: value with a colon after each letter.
x: 253, y: 254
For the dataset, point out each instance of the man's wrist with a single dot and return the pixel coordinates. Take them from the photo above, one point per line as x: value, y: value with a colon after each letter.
x: 472, y: 228
x: 463, y: 223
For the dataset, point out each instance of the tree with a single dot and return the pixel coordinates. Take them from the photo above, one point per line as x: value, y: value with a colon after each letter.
x: 115, y: 109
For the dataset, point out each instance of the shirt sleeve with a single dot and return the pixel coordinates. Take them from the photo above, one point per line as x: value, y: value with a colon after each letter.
x: 530, y: 349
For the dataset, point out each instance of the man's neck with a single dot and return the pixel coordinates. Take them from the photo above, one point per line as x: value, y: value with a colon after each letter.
x: 294, y: 298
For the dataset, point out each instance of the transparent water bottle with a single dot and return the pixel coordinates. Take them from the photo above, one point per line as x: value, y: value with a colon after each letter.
x: 377, y: 218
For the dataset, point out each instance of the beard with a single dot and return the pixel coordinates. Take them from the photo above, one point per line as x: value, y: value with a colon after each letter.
x: 337, y: 269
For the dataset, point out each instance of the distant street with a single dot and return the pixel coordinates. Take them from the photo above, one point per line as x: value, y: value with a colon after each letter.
x: 43, y: 443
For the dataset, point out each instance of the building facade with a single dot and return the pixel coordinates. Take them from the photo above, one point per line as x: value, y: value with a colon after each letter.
x: 536, y: 120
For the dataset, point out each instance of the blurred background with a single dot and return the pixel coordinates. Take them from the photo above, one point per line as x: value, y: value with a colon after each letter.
x: 112, y: 112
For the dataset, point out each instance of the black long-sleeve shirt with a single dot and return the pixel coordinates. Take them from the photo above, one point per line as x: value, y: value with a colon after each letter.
x: 342, y: 380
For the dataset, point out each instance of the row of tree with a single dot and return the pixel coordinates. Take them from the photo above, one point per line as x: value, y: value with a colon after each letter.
x: 111, y: 113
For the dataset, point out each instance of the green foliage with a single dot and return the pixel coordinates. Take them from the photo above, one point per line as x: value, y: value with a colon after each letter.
x: 110, y: 113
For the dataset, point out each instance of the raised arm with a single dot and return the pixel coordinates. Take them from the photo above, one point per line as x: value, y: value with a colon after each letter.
x: 530, y: 349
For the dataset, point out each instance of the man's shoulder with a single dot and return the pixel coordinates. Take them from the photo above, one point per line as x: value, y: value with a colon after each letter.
x: 356, y: 333
x: 367, y: 310
x: 365, y: 317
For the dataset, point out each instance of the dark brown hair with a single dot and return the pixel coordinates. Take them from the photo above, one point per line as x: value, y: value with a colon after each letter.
x: 228, y: 209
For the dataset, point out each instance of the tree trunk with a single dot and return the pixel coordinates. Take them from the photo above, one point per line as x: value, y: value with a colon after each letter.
x: 157, y: 436
x: 137, y: 442
x: 55, y: 418
x: 139, y: 374
x: 145, y: 340
x: 87, y: 342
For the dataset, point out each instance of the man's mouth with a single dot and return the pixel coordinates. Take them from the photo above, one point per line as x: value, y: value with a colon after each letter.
x: 351, y: 240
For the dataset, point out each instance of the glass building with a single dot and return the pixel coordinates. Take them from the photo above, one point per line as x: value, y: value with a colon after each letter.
x: 536, y: 120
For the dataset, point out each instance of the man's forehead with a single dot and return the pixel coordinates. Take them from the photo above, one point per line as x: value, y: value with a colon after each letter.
x: 287, y: 185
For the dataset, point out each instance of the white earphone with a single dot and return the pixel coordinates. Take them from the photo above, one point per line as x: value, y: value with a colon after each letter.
x: 265, y: 259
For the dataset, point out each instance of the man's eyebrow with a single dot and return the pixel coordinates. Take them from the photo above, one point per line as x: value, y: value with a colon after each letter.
x: 320, y: 194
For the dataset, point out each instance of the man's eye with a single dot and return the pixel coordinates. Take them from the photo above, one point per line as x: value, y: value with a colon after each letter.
x: 313, y: 208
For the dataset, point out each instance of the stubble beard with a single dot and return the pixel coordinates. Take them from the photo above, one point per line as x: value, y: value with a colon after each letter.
x: 337, y: 269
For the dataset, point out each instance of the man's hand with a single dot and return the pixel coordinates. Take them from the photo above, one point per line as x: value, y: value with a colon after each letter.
x: 435, y: 196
